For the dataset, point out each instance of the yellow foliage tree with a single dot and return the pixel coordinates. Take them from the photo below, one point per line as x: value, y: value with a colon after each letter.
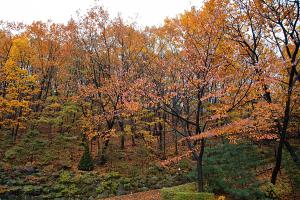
x: 17, y: 87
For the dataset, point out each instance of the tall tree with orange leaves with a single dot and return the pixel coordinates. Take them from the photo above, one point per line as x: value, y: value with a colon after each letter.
x: 189, y: 66
x: 268, y: 32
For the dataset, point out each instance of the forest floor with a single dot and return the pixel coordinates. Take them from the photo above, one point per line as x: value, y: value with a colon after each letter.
x: 136, y: 172
x: 148, y: 195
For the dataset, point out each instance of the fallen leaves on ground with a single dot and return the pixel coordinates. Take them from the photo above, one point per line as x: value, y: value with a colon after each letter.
x: 149, y: 195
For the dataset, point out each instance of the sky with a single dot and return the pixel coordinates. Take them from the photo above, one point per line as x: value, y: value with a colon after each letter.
x: 144, y: 12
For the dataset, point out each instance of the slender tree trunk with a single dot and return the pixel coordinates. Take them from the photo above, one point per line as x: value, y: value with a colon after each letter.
x: 283, y: 129
x: 133, y: 130
x: 175, y: 134
x: 48, y: 82
x: 175, y: 121
x: 202, y: 144
x: 164, y: 136
x: 160, y: 133
x: 122, y: 141
x: 15, y: 133
x: 121, y: 124
x: 103, y: 158
x: 278, y: 162
x: 200, y: 167
x: 176, y: 142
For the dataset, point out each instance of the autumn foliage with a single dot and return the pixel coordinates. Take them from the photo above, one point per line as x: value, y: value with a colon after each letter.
x: 227, y: 71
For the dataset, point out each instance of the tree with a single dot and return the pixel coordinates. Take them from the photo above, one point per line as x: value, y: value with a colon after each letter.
x: 272, y: 24
x: 47, y: 42
x: 18, y: 87
x: 86, y: 162
x: 188, y: 68
x: 110, y: 66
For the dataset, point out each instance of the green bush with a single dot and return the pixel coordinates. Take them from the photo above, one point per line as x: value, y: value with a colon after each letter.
x: 113, y: 175
x: 127, y: 183
x: 108, y: 186
x: 65, y: 177
x: 69, y: 191
x: 87, y: 178
x: 13, y: 153
x: 86, y: 162
x: 186, y: 191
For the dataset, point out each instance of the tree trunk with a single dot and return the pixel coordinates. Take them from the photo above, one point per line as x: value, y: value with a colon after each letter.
x: 15, y: 133
x: 133, y: 130
x: 103, y: 158
x: 121, y: 124
x: 200, y: 180
x: 176, y: 142
x: 282, y: 129
x: 278, y: 162
x: 122, y: 141
x: 160, y: 133
x: 164, y: 136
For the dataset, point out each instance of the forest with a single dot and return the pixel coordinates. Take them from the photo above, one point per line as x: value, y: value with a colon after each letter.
x: 206, y: 106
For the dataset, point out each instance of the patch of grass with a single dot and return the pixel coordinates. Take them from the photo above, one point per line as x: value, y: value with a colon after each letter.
x: 186, y: 191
